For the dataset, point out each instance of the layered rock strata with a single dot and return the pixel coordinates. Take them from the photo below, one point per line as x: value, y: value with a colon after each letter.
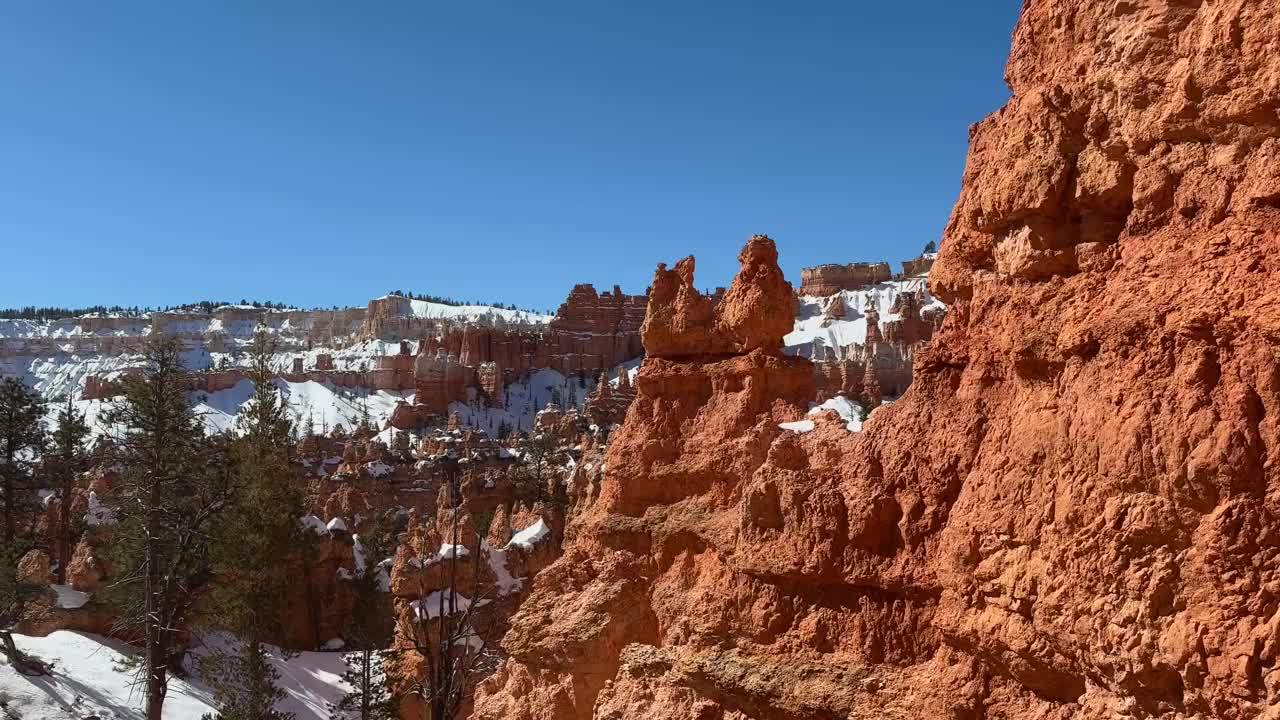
x: 830, y: 279
x: 1070, y: 514
x: 478, y: 347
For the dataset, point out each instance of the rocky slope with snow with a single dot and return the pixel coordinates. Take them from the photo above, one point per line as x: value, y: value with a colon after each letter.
x: 89, y: 680
x: 494, y: 367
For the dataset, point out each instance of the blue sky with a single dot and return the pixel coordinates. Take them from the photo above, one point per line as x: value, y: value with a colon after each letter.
x: 322, y: 153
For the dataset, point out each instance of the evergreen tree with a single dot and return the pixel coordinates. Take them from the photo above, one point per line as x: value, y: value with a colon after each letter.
x: 255, y: 548
x: 931, y: 247
x: 244, y: 685
x: 368, y: 633
x: 66, y: 461
x: 530, y: 476
x: 174, y: 483
x: 22, y: 438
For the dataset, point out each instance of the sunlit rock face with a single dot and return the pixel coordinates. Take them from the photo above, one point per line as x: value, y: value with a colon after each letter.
x: 1070, y: 514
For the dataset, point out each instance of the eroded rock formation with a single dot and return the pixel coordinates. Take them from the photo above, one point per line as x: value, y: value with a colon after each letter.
x: 830, y: 279
x: 1071, y: 513
x: 444, y: 354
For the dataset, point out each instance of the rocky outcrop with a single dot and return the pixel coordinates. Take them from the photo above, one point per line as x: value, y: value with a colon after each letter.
x: 1070, y: 514
x: 687, y: 436
x: 919, y: 266
x: 607, y: 406
x: 830, y: 279
x: 601, y: 324
x: 754, y: 314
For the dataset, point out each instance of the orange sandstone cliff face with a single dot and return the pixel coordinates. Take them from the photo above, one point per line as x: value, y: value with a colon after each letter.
x: 1073, y: 512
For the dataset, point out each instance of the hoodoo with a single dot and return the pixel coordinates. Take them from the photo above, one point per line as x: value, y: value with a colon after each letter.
x: 1033, y: 476
x: 1070, y: 514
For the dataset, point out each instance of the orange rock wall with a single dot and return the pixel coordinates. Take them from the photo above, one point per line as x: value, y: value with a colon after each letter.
x: 830, y: 279
x: 1072, y: 513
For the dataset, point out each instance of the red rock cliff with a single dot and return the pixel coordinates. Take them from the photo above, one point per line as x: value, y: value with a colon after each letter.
x: 830, y: 279
x: 1072, y: 513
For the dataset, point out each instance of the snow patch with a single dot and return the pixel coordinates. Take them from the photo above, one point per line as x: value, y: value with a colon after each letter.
x: 69, y: 598
x: 428, y: 608
x: 849, y: 411
x: 378, y: 469
x: 98, y: 514
x: 530, y: 535
x: 501, y: 573
x: 316, y: 524
x: 89, y: 680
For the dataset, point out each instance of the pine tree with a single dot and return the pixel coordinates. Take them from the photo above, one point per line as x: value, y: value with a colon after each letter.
x: 368, y: 633
x: 245, y: 685
x: 67, y: 460
x: 173, y: 486
x: 255, y: 547
x: 22, y: 439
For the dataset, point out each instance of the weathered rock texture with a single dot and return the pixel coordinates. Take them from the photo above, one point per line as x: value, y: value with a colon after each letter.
x: 830, y: 279
x: 1071, y: 514
x: 918, y: 266
x: 887, y: 354
x: 607, y: 405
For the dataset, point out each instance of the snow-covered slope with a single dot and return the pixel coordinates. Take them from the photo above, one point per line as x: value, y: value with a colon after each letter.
x: 813, y: 330
x: 425, y: 309
x: 320, y: 405
x: 87, y: 681
x: 58, y: 375
x: 522, y: 401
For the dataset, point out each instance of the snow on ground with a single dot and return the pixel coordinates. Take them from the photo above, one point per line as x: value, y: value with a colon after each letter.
x: 59, y: 376
x: 530, y: 535
x: 359, y: 356
x: 812, y: 330
x: 451, y: 602
x: 218, y: 410
x: 425, y: 309
x: 501, y: 573
x: 522, y: 401
x: 631, y: 366
x: 68, y: 597
x: 323, y: 405
x: 87, y: 681
x: 71, y: 327
x: 849, y: 411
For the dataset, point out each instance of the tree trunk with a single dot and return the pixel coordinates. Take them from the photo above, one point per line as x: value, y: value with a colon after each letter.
x: 64, y: 531
x: 366, y: 685
x: 155, y: 645
x: 17, y: 659
x: 155, y: 691
x: 6, y: 473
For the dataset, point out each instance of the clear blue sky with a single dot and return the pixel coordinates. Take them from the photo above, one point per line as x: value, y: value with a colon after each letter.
x: 321, y: 153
